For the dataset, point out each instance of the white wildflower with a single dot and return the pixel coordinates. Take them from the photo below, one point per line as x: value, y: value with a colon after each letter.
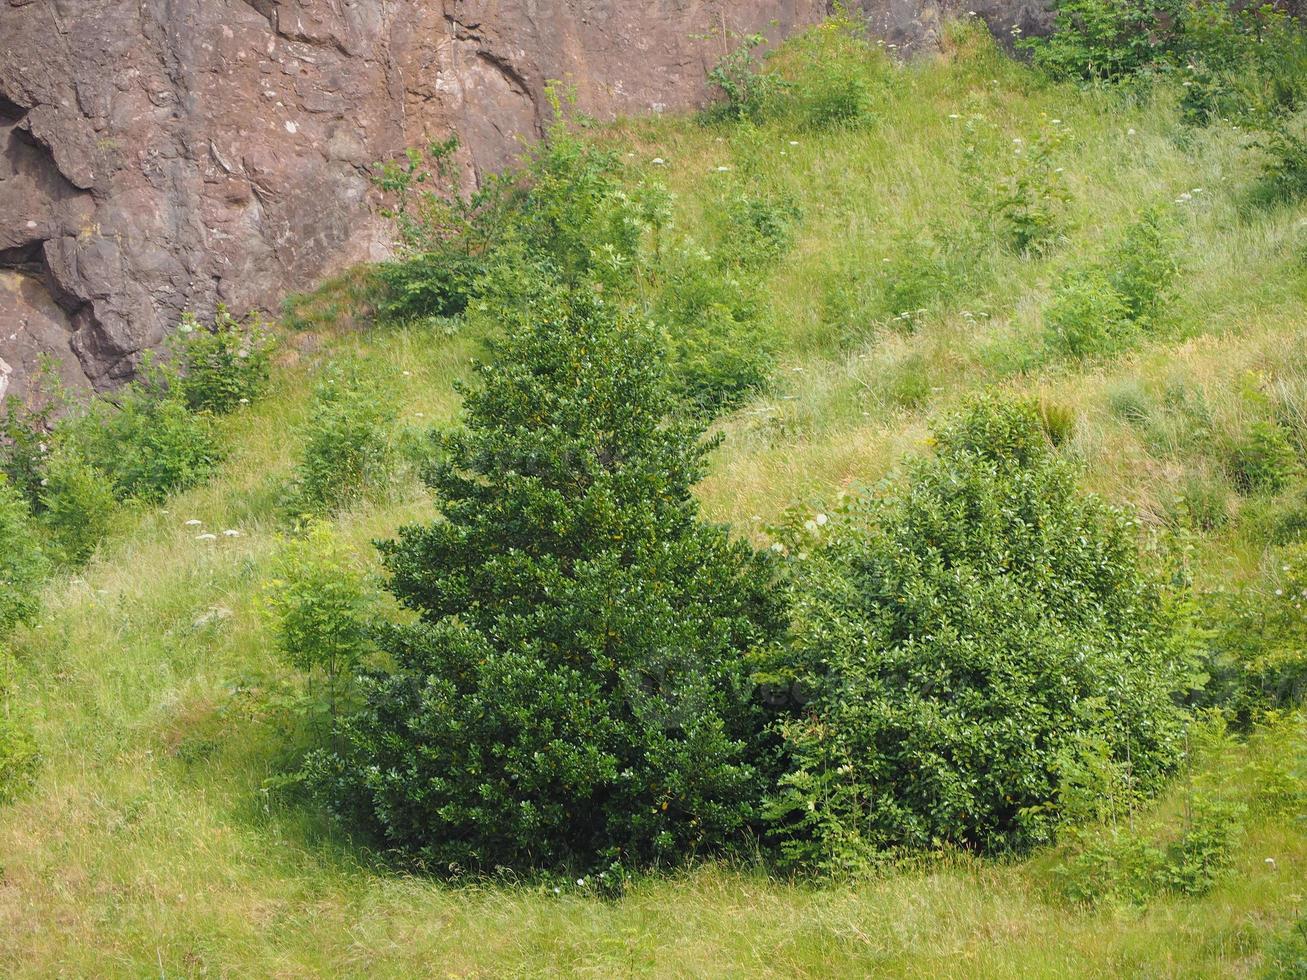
x: 193, y: 523
x: 231, y: 532
x: 206, y: 537
x: 658, y: 161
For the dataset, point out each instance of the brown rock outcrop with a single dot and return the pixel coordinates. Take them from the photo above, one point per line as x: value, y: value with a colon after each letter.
x: 164, y: 155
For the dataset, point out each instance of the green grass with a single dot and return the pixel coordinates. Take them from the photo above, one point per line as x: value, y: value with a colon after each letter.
x: 149, y: 846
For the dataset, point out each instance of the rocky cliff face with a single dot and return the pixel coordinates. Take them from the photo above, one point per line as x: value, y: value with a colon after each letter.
x: 164, y: 155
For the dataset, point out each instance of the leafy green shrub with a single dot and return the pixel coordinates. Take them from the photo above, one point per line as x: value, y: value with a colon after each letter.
x: 445, y: 235
x: 79, y: 504
x: 954, y: 639
x: 24, y: 438
x: 319, y: 607
x: 573, y: 687
x: 1257, y: 654
x: 1143, y: 267
x: 1106, y: 39
x: 759, y: 229
x: 717, y: 350
x: 1088, y: 316
x: 1262, y: 460
x: 1116, y: 865
x: 1101, y: 308
x: 348, y: 446
x: 223, y: 365
x: 23, y: 564
x: 916, y: 274
x: 149, y: 443
x: 18, y: 754
x: 1285, y: 166
x: 747, y: 92
x: 833, y: 77
x: 428, y: 284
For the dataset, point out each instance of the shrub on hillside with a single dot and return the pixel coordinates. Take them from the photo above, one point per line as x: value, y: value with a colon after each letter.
x: 1018, y: 190
x: 23, y: 564
x: 146, y: 440
x: 1262, y: 459
x: 717, y: 351
x: 834, y: 72
x: 748, y: 93
x: 349, y: 446
x: 573, y: 688
x: 78, y: 504
x: 1106, y: 39
x: 1257, y: 654
x: 1143, y: 267
x: 224, y: 365
x: 1088, y: 316
x: 319, y: 608
x: 955, y: 641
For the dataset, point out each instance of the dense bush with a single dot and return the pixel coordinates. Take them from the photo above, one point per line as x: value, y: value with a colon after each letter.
x: 955, y: 642
x: 22, y: 563
x: 147, y: 441
x: 1088, y: 316
x: 1106, y: 39
x: 223, y: 365
x: 717, y: 350
x: 574, y: 687
x: 78, y: 505
x: 348, y: 445
x: 1101, y: 308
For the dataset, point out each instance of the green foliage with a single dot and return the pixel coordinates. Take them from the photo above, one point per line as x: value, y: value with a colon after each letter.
x: 1058, y: 420
x: 18, y: 753
x: 833, y: 73
x: 718, y: 353
x: 23, y: 565
x: 224, y: 365
x: 1257, y: 654
x: 1088, y: 316
x: 1106, y: 39
x: 1143, y: 267
x: 149, y: 443
x: 1262, y: 460
x: 954, y: 639
x: 573, y: 688
x: 319, y: 607
x: 1018, y: 190
x: 1102, y: 308
x: 24, y: 437
x: 79, y: 504
x: 348, y: 445
x: 748, y: 93
x: 1285, y: 166
x: 1112, y: 864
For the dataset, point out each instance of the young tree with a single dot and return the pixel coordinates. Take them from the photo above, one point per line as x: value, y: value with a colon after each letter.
x: 574, y: 687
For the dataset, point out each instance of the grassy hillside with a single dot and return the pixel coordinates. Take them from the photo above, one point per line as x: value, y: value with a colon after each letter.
x: 151, y: 843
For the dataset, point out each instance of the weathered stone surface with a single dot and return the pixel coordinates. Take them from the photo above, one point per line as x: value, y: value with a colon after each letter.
x: 911, y: 25
x: 164, y: 155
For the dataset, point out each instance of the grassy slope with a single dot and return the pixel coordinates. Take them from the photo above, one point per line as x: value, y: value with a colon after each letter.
x: 147, y: 845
